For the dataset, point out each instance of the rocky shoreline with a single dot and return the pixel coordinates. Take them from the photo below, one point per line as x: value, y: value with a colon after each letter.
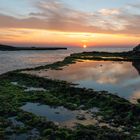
x: 116, y: 118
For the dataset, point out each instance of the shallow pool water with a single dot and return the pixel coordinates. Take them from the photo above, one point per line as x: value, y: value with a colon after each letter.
x: 56, y: 114
x: 121, y: 78
x: 62, y: 116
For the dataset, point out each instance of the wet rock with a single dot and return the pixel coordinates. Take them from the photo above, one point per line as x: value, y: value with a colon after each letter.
x: 137, y: 48
x: 81, y: 107
x: 57, y: 112
x: 100, y: 118
x: 127, y: 133
x: 138, y: 137
x: 8, y: 131
x: 15, y: 83
x: 94, y: 110
x: 80, y: 117
x: 34, y: 89
x: 56, y: 123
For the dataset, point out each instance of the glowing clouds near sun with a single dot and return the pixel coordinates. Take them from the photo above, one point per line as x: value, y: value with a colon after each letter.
x: 53, y: 38
x: 56, y: 22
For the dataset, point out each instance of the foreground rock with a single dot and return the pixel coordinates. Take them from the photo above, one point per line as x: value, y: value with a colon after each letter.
x: 137, y: 49
x: 114, y: 111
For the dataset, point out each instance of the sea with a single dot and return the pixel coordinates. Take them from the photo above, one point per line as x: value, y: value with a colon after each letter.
x: 13, y: 60
x: 120, y: 78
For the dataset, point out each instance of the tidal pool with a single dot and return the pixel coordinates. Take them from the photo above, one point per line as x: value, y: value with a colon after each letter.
x: 56, y: 114
x: 121, y: 78
x: 63, y: 116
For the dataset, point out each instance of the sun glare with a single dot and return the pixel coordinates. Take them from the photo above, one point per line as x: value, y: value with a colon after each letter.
x: 84, y: 46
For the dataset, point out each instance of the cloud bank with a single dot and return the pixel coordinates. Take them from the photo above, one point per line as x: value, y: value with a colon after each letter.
x: 58, y: 16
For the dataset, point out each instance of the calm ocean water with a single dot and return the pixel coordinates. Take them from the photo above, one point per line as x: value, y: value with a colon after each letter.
x: 26, y: 59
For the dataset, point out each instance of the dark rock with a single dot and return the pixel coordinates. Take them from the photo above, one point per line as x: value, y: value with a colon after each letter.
x: 13, y: 48
x: 137, y: 49
x: 136, y: 64
x: 81, y: 117
x: 6, y: 47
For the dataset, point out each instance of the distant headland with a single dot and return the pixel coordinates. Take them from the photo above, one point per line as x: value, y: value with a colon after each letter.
x: 13, y: 48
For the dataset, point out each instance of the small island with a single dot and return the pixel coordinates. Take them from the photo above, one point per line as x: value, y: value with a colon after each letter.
x: 13, y: 48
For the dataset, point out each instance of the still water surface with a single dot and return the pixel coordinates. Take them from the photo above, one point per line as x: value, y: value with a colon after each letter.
x: 12, y: 60
x: 59, y: 114
x: 121, y: 78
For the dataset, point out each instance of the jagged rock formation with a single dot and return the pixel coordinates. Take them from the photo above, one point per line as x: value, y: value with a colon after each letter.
x: 136, y: 64
x: 137, y: 49
x: 136, y: 52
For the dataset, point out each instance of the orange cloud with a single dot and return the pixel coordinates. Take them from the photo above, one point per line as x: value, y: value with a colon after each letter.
x: 57, y: 23
x: 55, y: 15
x: 46, y: 37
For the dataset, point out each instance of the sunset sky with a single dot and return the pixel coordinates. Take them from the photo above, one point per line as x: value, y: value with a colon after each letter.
x: 70, y: 22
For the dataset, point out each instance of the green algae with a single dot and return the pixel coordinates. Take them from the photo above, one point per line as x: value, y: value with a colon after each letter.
x: 64, y: 94
x: 114, y: 109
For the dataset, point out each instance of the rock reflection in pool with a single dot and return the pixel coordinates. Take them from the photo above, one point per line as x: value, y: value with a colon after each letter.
x: 59, y: 114
x: 116, y: 77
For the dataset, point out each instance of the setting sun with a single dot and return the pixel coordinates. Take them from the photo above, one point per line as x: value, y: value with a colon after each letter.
x: 70, y: 70
x: 84, y: 46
